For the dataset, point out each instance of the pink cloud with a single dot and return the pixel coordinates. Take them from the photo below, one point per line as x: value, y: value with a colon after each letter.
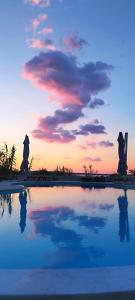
x: 83, y: 147
x: 41, y: 3
x: 72, y: 86
x: 88, y: 158
x: 35, y: 43
x: 37, y: 21
x: 40, y: 44
x: 44, y: 3
x: 42, y: 17
x: 105, y: 144
x: 74, y: 42
x: 59, y: 74
x: 34, y: 2
x: 46, y: 30
x: 35, y: 24
x: 50, y: 131
x: 49, y: 128
x: 55, y: 135
x: 90, y: 144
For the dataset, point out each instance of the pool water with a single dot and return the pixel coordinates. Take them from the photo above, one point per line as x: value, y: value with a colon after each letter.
x: 67, y: 227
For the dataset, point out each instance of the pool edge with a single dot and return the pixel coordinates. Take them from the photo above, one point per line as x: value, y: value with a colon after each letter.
x: 89, y: 281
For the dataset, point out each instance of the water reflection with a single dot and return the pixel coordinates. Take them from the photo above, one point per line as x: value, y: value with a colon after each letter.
x: 70, y: 228
x: 5, y: 201
x: 67, y: 230
x: 123, y: 218
x: 106, y: 207
x: 50, y: 220
x: 23, y: 210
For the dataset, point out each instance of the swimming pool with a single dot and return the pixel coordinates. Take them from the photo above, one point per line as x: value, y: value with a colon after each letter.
x: 67, y: 227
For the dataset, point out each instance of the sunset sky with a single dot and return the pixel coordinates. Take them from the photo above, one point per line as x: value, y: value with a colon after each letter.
x: 67, y: 79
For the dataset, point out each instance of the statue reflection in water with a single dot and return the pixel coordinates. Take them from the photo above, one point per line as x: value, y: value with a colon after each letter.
x: 23, y: 210
x: 123, y: 218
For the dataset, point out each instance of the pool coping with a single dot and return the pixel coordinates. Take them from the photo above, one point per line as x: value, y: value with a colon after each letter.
x: 12, y: 186
x: 18, y: 185
x: 67, y: 282
x: 86, y: 184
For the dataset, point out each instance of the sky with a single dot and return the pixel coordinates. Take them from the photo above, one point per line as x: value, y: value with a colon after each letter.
x: 67, y: 80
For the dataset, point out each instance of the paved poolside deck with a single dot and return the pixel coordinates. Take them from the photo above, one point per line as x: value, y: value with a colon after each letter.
x: 92, y: 283
x: 16, y: 185
x: 10, y: 186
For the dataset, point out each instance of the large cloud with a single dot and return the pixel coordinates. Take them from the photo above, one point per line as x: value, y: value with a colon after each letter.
x: 60, y: 74
x: 73, y: 87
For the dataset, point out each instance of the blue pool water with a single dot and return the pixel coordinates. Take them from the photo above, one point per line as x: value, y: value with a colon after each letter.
x: 67, y: 227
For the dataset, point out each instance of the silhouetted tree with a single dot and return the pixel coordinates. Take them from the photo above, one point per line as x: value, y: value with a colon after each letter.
x: 7, y: 159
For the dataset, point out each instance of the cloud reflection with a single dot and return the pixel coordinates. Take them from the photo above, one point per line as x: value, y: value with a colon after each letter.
x: 59, y: 224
